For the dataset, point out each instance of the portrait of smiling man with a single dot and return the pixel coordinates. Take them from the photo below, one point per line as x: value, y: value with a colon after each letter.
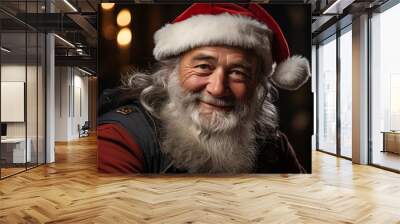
x: 208, y: 108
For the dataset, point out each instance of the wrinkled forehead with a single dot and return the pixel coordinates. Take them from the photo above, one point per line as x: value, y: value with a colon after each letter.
x: 223, y: 54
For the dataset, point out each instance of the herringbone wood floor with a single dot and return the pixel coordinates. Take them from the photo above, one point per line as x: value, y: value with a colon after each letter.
x: 71, y: 191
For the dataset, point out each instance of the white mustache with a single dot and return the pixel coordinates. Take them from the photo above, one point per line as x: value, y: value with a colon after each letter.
x: 216, y: 101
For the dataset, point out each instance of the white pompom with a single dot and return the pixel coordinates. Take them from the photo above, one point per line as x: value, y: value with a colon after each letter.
x: 292, y: 73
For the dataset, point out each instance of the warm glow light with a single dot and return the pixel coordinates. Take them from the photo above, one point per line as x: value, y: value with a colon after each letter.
x: 107, y: 6
x: 124, y: 17
x: 124, y: 37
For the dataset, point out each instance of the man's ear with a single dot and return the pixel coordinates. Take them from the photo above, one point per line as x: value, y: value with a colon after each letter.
x: 292, y: 73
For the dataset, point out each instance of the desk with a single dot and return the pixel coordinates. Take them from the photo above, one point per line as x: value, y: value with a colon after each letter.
x: 13, y: 150
x: 391, y: 141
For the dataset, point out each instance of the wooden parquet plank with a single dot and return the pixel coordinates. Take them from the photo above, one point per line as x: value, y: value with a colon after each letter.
x: 72, y: 191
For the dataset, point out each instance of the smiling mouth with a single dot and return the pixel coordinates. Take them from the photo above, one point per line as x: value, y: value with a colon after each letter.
x: 212, y: 106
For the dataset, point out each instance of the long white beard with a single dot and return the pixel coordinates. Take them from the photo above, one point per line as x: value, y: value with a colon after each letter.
x: 222, y: 142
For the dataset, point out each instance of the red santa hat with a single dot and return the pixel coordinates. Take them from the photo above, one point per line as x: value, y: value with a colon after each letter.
x: 206, y: 24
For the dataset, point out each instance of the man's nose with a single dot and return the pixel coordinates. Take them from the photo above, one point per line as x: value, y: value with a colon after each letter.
x: 217, y: 85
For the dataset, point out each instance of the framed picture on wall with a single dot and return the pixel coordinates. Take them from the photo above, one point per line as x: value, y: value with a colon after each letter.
x: 204, y: 88
x: 12, y: 101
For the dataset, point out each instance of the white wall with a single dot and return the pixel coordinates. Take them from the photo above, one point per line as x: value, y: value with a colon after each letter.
x: 62, y: 81
x: 71, y: 94
x: 80, y: 102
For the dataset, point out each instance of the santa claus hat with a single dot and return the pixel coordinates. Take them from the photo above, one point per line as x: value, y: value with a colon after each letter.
x: 205, y: 24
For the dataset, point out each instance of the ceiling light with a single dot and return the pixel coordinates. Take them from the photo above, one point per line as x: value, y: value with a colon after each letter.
x: 5, y: 50
x: 65, y: 41
x: 337, y: 7
x: 107, y: 6
x: 70, y: 5
x: 84, y: 71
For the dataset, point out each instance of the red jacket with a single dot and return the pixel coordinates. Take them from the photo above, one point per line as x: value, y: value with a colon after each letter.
x: 117, y: 151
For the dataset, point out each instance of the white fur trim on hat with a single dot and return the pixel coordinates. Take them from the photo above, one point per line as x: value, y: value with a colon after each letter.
x: 230, y: 30
x: 202, y: 30
x: 292, y: 73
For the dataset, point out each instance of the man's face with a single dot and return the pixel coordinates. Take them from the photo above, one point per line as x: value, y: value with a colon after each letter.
x: 223, y: 76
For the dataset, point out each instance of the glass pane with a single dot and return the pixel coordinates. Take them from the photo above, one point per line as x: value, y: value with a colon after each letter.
x: 346, y: 94
x: 41, y: 98
x: 23, y: 79
x: 327, y: 97
x: 385, y: 84
x: 31, y: 96
x: 13, y: 86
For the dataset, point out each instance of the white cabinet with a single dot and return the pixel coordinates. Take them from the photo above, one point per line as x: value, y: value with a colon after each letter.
x: 16, y: 149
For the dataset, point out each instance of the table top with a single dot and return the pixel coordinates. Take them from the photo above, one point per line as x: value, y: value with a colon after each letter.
x: 12, y: 140
x: 391, y: 132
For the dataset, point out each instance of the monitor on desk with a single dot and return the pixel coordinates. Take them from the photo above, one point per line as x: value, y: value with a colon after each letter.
x: 3, y: 130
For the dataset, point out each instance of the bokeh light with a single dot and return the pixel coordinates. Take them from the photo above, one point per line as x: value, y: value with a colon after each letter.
x: 124, y: 17
x: 124, y: 37
x: 107, y: 6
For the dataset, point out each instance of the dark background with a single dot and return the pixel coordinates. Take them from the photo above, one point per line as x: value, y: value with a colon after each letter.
x: 295, y: 107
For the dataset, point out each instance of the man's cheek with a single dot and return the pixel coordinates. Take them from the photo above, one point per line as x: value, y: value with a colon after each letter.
x: 194, y: 83
x: 240, y: 92
x: 185, y: 73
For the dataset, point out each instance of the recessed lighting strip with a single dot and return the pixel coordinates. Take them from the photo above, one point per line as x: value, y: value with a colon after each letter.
x: 5, y: 50
x: 84, y: 71
x: 70, y: 5
x: 65, y: 41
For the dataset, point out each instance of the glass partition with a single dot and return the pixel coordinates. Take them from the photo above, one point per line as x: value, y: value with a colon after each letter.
x: 346, y: 93
x: 31, y: 97
x: 31, y: 87
x: 22, y: 87
x: 385, y: 89
x: 41, y: 96
x: 14, y: 151
x: 327, y: 96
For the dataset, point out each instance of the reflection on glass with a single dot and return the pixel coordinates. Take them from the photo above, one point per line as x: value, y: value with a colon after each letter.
x: 327, y: 96
x: 385, y: 84
x: 345, y: 94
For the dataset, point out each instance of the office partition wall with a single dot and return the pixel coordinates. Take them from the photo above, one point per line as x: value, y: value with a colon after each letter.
x: 23, y: 87
x: 327, y: 95
x: 334, y: 94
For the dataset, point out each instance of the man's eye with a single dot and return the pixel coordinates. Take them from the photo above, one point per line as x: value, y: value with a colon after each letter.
x: 203, y: 67
x: 238, y: 76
